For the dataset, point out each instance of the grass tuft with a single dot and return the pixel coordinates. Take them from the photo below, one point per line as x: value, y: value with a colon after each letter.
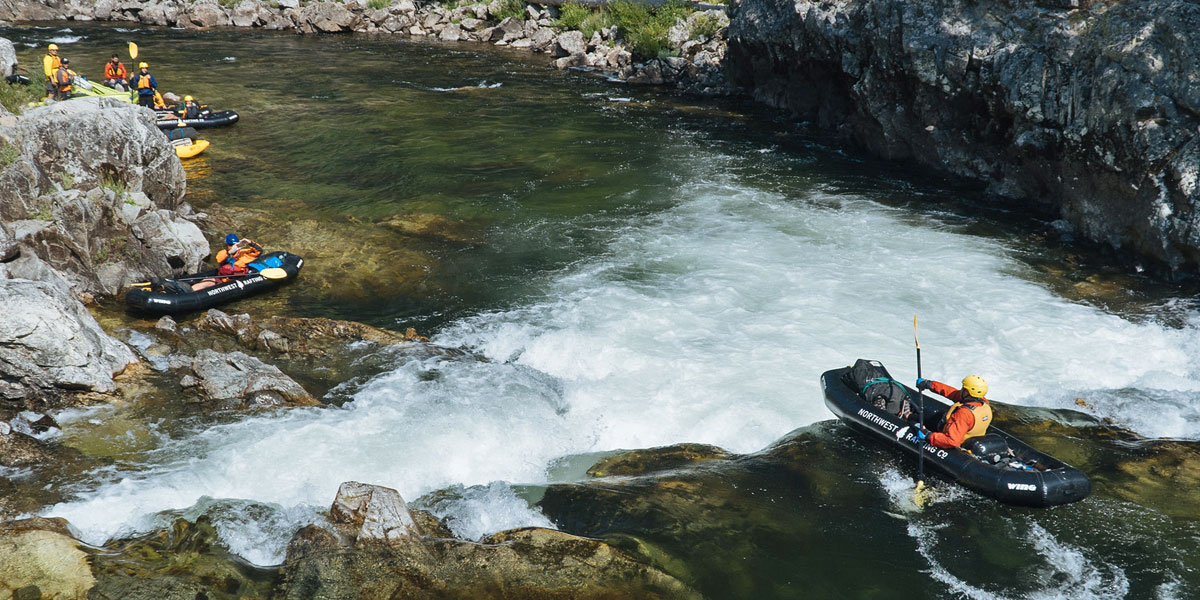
x: 510, y: 8
x: 15, y: 97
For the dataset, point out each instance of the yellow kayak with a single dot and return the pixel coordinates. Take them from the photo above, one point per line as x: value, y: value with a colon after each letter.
x: 186, y: 148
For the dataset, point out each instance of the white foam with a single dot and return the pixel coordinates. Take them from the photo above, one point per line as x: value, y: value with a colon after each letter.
x: 710, y: 322
x: 1066, y: 573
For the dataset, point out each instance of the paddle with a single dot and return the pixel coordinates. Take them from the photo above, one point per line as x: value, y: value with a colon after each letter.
x: 268, y: 273
x: 920, y: 495
x: 132, y: 50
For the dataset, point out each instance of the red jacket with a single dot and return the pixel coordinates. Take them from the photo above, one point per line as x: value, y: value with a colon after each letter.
x: 959, y: 422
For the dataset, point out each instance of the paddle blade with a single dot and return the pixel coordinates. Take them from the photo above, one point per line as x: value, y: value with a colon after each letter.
x: 273, y: 273
x: 132, y: 50
x: 921, y: 495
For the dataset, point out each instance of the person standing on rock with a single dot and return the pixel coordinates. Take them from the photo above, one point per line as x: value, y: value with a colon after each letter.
x: 50, y: 64
x: 63, y: 79
x: 233, y: 260
x: 115, y: 75
x: 145, y: 84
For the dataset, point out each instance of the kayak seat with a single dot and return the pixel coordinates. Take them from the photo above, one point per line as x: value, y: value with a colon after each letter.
x: 990, y: 448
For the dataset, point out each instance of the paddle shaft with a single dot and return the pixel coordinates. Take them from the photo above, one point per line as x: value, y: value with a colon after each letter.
x: 920, y: 407
x: 230, y: 276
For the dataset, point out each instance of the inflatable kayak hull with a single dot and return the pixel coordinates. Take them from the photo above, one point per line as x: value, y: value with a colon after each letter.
x: 146, y: 299
x: 216, y: 119
x: 1049, y: 482
x: 185, y: 148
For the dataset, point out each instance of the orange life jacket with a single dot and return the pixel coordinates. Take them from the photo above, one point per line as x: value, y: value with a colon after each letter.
x: 983, y: 416
x: 117, y: 72
x: 63, y: 79
x: 144, y: 82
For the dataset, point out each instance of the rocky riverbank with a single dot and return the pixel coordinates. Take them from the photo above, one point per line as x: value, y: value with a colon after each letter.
x: 1086, y: 110
x: 685, y: 52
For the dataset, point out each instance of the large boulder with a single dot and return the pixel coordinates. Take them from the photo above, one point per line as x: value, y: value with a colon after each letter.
x: 95, y: 193
x: 8, y: 57
x: 1088, y: 111
x: 236, y: 380
x: 205, y: 13
x: 51, y: 345
x: 328, y: 17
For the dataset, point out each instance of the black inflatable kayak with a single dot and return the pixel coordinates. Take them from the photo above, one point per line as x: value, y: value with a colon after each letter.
x: 1001, y: 466
x: 171, y: 296
x: 206, y: 119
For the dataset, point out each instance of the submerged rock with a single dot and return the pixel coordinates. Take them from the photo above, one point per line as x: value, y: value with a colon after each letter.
x: 40, y: 559
x: 184, y: 562
x: 641, y: 462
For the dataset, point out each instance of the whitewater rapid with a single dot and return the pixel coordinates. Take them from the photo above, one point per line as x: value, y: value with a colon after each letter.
x: 709, y: 322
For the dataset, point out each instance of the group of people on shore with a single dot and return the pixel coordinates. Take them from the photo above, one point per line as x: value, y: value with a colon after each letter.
x: 61, y: 82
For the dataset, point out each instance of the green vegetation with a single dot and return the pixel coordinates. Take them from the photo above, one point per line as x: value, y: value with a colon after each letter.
x: 646, y: 29
x: 8, y: 154
x: 583, y: 18
x: 66, y: 179
x: 114, y: 183
x: 15, y: 97
x: 43, y: 214
x: 510, y: 8
x: 705, y: 25
x: 572, y: 15
x: 378, y: 4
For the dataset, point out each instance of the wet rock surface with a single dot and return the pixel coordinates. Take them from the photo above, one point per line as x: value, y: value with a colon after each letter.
x: 183, y: 562
x: 40, y: 559
x: 1073, y: 108
x: 236, y: 380
x: 395, y: 561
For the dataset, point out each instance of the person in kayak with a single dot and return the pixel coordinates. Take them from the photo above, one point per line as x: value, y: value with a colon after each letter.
x: 115, y: 75
x: 968, y: 417
x: 50, y: 64
x: 145, y: 84
x: 188, y: 110
x: 233, y: 260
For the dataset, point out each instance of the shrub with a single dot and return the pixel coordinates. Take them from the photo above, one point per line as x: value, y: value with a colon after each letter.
x: 705, y: 25
x: 596, y: 21
x: 378, y: 4
x: 572, y: 16
x: 511, y: 8
x: 646, y: 29
x: 15, y: 97
x: 67, y: 180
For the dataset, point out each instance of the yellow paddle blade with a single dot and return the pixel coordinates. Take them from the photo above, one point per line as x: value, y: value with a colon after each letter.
x: 132, y: 50
x: 273, y: 273
x: 139, y: 284
x: 921, y: 495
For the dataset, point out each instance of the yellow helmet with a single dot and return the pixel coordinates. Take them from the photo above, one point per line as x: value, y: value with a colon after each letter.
x: 52, y: 47
x: 143, y: 65
x: 187, y: 98
x: 975, y: 386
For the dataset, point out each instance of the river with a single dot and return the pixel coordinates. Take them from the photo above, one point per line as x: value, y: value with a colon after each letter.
x: 629, y: 269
